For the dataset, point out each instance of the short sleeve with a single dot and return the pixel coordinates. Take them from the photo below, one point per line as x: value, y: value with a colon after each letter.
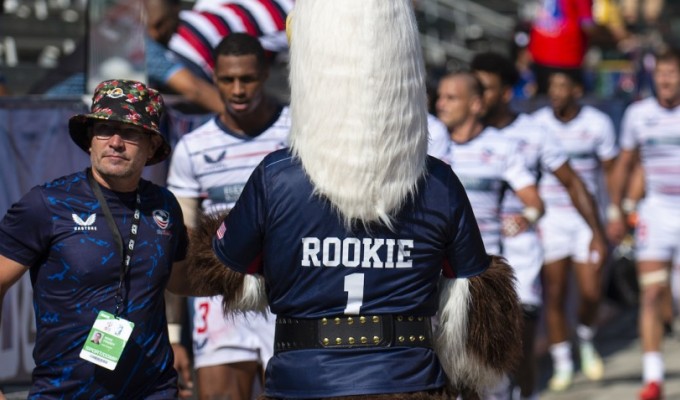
x: 466, y: 255
x: 181, y: 180
x: 239, y: 240
x: 606, y: 146
x: 552, y: 156
x: 516, y: 173
x: 629, y: 139
x: 26, y: 229
x: 438, y: 136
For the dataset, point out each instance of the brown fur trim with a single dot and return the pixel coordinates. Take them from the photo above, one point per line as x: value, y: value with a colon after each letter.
x: 440, y: 394
x: 207, y: 275
x: 495, y: 317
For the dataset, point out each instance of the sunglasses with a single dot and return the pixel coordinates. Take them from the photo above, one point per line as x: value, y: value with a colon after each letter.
x: 128, y: 133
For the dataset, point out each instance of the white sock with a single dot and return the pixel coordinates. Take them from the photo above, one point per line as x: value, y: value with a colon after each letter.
x: 561, y: 355
x: 585, y: 333
x: 652, y: 367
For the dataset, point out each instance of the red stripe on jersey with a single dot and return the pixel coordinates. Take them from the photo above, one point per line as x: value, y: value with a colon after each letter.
x: 447, y: 271
x: 255, y: 266
x: 197, y: 44
x: 217, y: 22
x: 279, y: 21
x: 245, y: 18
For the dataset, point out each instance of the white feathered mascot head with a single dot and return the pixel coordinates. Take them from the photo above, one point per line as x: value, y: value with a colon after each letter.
x: 358, y: 102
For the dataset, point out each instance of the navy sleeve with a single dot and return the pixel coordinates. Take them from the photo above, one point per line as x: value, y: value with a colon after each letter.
x: 238, y: 242
x: 26, y: 229
x: 466, y: 254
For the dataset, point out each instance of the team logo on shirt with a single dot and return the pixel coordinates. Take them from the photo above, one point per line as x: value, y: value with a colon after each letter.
x: 161, y: 218
x: 84, y: 225
x: 215, y: 160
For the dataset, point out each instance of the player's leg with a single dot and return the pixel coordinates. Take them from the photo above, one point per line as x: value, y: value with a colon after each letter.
x: 525, y: 375
x: 558, y: 243
x: 588, y: 277
x: 555, y: 285
x: 226, y: 362
x: 657, y: 239
x: 525, y: 254
x: 227, y: 381
x: 653, y: 277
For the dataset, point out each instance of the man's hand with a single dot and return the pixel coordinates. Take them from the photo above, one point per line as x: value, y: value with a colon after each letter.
x: 183, y: 367
x: 598, y: 251
x: 616, y: 230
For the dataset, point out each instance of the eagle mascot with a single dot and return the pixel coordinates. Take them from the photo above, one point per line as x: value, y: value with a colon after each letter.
x: 364, y: 247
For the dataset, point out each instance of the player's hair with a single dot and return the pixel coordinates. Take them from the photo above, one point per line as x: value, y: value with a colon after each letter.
x: 575, y: 75
x: 474, y: 85
x: 241, y: 44
x: 669, y: 55
x: 497, y: 64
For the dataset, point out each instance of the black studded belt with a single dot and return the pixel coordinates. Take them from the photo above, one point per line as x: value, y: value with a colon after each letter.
x: 352, y: 332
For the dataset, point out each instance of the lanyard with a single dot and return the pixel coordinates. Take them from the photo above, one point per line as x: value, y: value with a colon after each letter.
x: 125, y: 257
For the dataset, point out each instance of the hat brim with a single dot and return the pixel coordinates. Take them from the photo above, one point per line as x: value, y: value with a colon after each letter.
x: 78, y: 124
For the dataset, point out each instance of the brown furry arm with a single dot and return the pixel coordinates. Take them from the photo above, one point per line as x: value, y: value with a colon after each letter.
x: 209, y: 277
x: 479, y: 338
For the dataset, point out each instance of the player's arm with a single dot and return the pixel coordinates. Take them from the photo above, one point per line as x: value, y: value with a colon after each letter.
x: 533, y: 205
x: 615, y: 222
x: 10, y: 272
x: 630, y: 184
x: 635, y: 190
x: 523, y: 182
x: 176, y: 305
x: 585, y: 204
x: 196, y: 90
x: 175, y: 312
x: 625, y: 164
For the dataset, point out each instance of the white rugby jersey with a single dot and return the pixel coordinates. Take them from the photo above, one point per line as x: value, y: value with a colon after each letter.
x: 656, y: 131
x: 588, y: 139
x: 213, y: 164
x: 483, y: 165
x: 438, y: 137
x: 541, y: 151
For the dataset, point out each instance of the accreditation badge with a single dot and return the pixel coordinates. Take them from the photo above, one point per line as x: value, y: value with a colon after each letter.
x: 106, y: 340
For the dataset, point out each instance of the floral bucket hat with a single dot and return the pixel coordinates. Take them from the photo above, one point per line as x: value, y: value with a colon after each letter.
x: 130, y: 102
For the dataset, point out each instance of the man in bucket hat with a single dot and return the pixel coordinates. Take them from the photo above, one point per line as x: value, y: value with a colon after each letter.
x: 101, y: 246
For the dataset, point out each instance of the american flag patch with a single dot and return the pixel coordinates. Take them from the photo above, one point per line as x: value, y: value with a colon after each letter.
x: 221, y: 230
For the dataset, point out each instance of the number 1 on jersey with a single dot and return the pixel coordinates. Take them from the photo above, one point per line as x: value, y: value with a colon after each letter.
x: 354, y: 286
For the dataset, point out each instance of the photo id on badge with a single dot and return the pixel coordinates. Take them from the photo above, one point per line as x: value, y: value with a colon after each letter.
x: 106, y: 340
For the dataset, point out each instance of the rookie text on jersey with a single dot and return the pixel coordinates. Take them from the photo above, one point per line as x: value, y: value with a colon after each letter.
x: 355, y: 252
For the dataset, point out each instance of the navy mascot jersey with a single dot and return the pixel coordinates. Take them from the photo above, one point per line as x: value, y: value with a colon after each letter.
x: 314, y: 267
x: 59, y: 230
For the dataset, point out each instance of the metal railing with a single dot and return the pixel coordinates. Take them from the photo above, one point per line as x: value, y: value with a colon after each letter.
x: 453, y: 30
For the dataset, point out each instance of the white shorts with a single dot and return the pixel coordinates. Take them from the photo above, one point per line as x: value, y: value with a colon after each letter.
x: 525, y: 254
x: 225, y: 340
x: 657, y: 235
x: 564, y: 234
